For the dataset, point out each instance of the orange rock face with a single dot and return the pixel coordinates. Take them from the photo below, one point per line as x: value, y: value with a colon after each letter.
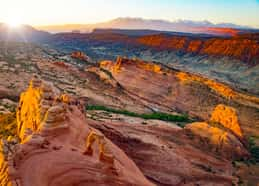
x: 223, y: 140
x: 79, y: 55
x: 219, y: 31
x: 227, y: 116
x: 33, y: 106
x: 145, y: 66
x: 218, y: 87
x: 104, y: 64
x: 120, y: 62
x: 244, y: 49
x: 55, y: 146
x: 194, y: 46
x: 163, y: 42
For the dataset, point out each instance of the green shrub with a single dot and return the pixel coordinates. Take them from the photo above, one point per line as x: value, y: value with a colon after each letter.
x: 107, y: 72
x: 254, y: 150
x: 156, y: 115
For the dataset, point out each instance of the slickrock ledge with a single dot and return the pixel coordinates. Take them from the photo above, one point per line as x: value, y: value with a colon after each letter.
x: 217, y: 140
x: 58, y: 147
x: 167, y: 89
x: 166, y: 155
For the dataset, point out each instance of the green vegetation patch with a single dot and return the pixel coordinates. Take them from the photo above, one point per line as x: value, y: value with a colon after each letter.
x: 254, y: 150
x: 155, y: 115
x: 107, y: 72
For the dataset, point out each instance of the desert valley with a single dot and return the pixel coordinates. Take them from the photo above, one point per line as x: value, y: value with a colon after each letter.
x: 116, y: 105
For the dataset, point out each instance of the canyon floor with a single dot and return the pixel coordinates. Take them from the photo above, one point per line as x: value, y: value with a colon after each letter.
x: 162, y: 126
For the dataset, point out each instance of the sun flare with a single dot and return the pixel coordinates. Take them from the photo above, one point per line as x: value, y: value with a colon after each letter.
x: 13, y: 22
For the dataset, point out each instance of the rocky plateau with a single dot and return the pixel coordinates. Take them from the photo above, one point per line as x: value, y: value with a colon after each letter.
x: 176, y: 110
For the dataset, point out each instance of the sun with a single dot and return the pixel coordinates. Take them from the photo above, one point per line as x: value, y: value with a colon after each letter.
x: 13, y: 22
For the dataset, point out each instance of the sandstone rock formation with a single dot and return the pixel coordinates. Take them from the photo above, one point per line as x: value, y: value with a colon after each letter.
x: 217, y: 140
x: 58, y: 147
x: 167, y: 155
x: 233, y: 60
x: 222, y: 134
x: 80, y: 55
x: 103, y: 74
x: 227, y: 116
x: 118, y: 65
x: 201, y: 153
x: 169, y: 90
x: 33, y: 106
x: 245, y: 49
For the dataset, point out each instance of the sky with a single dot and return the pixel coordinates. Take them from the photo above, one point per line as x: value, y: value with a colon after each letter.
x: 51, y: 12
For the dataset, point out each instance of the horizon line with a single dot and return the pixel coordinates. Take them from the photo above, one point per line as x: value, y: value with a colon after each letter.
x: 141, y: 18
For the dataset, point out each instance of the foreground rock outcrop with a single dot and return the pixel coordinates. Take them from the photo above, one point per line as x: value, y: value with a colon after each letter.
x: 167, y: 155
x: 58, y: 147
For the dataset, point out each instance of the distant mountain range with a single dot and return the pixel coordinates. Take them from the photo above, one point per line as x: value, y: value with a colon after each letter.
x: 139, y: 23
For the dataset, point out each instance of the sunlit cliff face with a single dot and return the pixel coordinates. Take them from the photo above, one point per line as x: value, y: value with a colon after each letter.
x: 227, y: 116
x: 223, y: 31
x: 243, y: 49
x: 116, y: 67
x: 220, y: 88
x: 32, y: 108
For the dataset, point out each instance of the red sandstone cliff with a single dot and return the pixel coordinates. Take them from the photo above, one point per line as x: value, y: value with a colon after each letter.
x: 244, y: 49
